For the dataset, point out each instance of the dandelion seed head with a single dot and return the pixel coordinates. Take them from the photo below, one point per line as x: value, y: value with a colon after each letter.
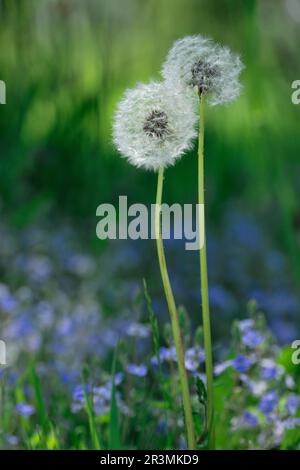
x: 198, y: 63
x: 154, y: 125
x: 203, y: 75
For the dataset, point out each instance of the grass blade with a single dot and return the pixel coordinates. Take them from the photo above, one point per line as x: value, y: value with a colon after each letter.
x: 114, y: 428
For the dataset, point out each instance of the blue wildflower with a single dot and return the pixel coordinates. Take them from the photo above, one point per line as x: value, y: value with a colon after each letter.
x: 220, y: 368
x: 137, y: 330
x: 7, y: 302
x: 80, y: 391
x: 162, y: 426
x: 24, y: 409
x: 193, y: 358
x: 257, y: 388
x: 292, y: 423
x: 268, y: 402
x: 292, y: 403
x: 102, y: 393
x: 269, y: 370
x: 101, y: 408
x: 11, y: 439
x: 138, y: 370
x: 289, y: 381
x: 119, y: 376
x: 77, y: 406
x: 250, y: 419
x: 252, y: 339
x: 241, y: 363
x: 165, y: 354
x: 245, y: 325
x: 39, y: 268
x: 80, y: 264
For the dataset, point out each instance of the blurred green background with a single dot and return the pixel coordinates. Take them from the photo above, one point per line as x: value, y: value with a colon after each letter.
x: 66, y: 63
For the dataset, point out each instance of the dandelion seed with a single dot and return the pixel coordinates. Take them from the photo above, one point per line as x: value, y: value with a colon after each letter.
x: 154, y: 125
x: 198, y: 63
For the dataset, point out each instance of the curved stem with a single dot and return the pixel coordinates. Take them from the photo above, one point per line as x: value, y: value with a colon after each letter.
x: 204, y: 284
x: 174, y: 317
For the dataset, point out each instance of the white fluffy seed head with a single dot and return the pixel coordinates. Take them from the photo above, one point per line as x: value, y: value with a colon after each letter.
x: 198, y: 63
x: 154, y: 125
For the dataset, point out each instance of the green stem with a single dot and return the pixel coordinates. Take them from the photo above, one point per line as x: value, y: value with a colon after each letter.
x: 204, y: 284
x: 174, y: 317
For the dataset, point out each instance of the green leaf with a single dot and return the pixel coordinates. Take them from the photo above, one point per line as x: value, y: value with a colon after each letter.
x: 202, y: 440
x: 114, y: 428
x: 92, y: 419
x: 201, y: 391
x: 153, y: 322
x: 40, y: 405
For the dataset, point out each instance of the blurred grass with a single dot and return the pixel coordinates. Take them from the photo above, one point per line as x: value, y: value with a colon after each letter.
x: 67, y: 62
